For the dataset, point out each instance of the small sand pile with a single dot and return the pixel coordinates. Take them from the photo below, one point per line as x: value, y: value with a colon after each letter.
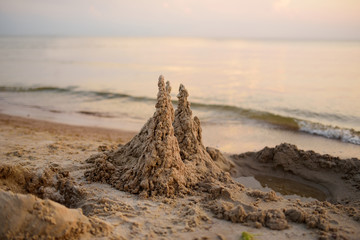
x: 28, y: 217
x: 51, y: 183
x: 160, y: 160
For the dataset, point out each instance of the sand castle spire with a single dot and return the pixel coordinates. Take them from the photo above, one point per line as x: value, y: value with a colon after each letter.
x: 187, y: 129
x: 198, y: 159
x: 162, y: 93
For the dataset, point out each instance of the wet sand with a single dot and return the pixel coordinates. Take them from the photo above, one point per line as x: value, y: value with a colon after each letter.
x: 49, y: 161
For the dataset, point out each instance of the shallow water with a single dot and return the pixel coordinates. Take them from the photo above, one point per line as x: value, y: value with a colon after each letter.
x: 284, y: 187
x: 247, y: 94
x: 290, y: 187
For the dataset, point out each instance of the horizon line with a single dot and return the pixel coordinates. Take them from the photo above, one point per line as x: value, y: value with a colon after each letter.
x: 183, y: 37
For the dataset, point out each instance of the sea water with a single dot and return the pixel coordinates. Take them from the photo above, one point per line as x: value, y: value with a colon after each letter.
x: 247, y: 93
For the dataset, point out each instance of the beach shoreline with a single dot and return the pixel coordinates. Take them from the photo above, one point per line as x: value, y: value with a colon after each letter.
x: 66, y: 129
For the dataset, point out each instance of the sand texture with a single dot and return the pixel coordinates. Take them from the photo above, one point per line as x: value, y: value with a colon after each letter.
x: 66, y: 182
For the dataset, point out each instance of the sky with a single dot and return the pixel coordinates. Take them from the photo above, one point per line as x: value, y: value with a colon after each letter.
x: 273, y: 19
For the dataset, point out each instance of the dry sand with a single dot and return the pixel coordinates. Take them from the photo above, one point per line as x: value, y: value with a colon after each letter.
x: 67, y: 182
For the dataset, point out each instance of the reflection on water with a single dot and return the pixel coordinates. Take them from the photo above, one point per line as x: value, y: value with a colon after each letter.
x: 290, y: 187
x: 287, y: 188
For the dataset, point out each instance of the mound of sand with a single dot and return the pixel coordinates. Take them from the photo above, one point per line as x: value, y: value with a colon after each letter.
x: 28, y: 217
x: 51, y: 183
x: 166, y: 158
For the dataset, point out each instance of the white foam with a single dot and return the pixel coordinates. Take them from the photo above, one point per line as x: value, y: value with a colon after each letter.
x: 343, y: 134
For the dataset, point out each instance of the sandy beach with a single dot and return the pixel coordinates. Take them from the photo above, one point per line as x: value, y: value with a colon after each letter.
x: 70, y: 182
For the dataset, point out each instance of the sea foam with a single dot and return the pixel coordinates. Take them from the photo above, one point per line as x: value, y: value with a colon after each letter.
x: 328, y: 131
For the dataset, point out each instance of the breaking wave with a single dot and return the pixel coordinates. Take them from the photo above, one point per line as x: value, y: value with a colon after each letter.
x: 342, y: 134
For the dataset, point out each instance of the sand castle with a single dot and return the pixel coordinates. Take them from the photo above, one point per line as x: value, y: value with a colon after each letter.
x: 167, y: 157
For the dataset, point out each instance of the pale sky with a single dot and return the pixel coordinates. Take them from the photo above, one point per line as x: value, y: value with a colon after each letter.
x: 279, y: 19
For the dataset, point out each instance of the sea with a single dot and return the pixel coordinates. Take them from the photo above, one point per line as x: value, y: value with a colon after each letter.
x: 248, y: 94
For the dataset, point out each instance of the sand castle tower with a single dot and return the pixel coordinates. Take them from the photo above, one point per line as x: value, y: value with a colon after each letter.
x: 150, y: 163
